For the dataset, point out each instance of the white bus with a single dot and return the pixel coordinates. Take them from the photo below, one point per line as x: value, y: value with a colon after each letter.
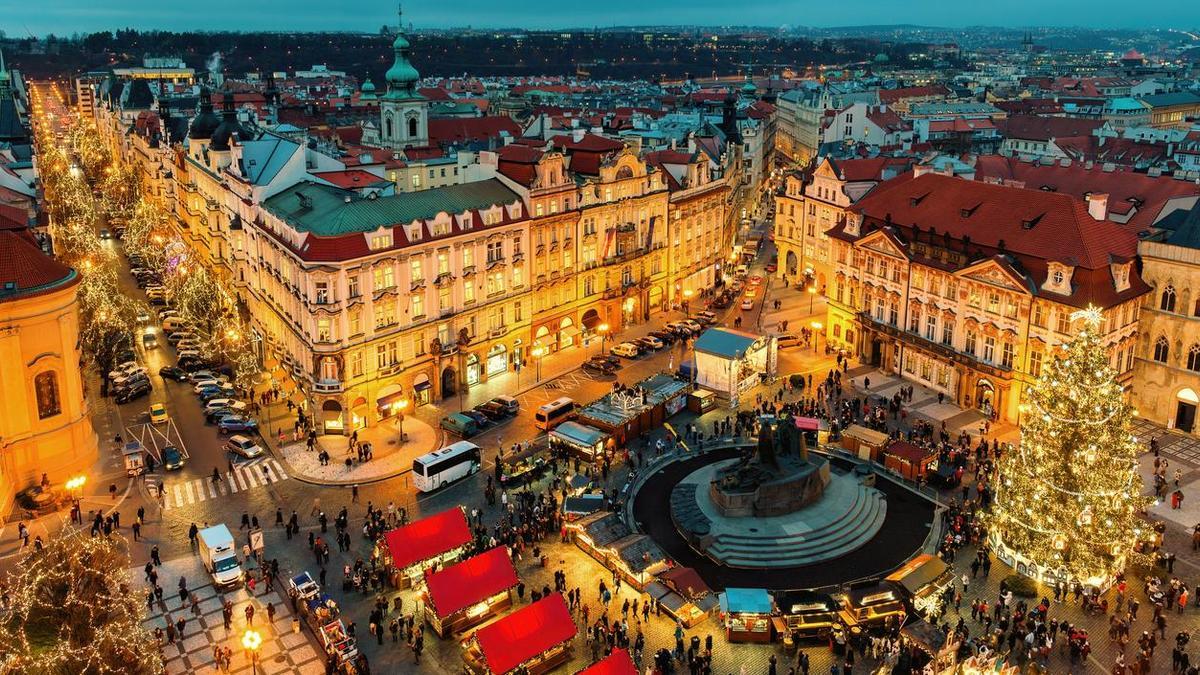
x: 554, y: 413
x: 455, y: 461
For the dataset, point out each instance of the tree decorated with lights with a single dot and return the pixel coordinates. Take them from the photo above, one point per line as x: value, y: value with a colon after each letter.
x: 70, y: 611
x: 1068, y: 499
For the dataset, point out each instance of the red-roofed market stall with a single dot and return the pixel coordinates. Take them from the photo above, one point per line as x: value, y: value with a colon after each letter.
x: 426, y: 543
x: 535, y: 638
x: 470, y: 592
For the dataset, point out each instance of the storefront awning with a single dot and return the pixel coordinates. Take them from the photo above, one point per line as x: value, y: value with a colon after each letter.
x: 387, y: 400
x: 746, y: 601
x: 428, y: 537
x: 570, y: 331
x: 472, y: 581
x: 616, y: 663
x: 526, y: 633
x: 422, y: 384
x: 590, y: 321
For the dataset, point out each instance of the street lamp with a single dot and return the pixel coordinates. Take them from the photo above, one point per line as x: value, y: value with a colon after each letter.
x: 816, y: 326
x: 687, y: 297
x: 538, y: 352
x: 602, y: 329
x: 252, y: 641
x: 401, y: 405
x: 812, y: 294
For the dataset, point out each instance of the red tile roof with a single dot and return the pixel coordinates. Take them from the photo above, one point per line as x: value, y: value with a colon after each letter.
x: 459, y: 130
x: 868, y: 169
x: 931, y: 91
x: 1034, y: 128
x: 589, y: 143
x: 518, y: 162
x: 26, y: 271
x: 351, y: 178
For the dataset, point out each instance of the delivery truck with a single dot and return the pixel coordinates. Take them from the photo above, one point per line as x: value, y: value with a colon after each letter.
x: 219, y: 554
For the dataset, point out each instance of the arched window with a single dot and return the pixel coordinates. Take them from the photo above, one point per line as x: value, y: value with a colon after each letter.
x: 1193, y: 359
x: 45, y: 386
x: 387, y: 126
x: 1167, y: 302
x: 412, y: 127
x: 1196, y: 309
x: 1161, y: 349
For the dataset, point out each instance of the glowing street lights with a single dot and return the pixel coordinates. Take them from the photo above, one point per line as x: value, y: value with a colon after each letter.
x: 602, y: 329
x: 252, y: 641
x: 816, y: 326
x: 401, y: 405
x: 687, y: 299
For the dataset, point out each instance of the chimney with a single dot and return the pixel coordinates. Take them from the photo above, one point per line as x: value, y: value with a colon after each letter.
x: 922, y: 169
x: 1098, y: 206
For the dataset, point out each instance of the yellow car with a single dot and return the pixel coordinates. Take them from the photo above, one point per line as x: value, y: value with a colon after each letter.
x: 158, y: 413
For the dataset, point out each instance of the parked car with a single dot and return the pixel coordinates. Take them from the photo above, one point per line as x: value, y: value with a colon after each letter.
x: 481, y: 420
x: 207, y: 382
x: 243, y: 446
x: 188, y: 353
x: 787, y: 340
x: 179, y: 336
x: 198, y: 376
x: 158, y: 413
x: 511, y: 405
x: 193, y: 363
x: 173, y: 373
x: 650, y: 343
x: 226, y: 391
x: 235, y: 423
x: 706, y: 317
x: 460, y: 425
x: 695, y: 327
x: 225, y: 408
x: 666, y: 336
x: 491, y: 410
x: 172, y: 458
x: 627, y: 349
x: 127, y: 380
x: 772, y: 268
x: 601, y: 366
x: 124, y: 369
x: 747, y: 304
x: 133, y: 392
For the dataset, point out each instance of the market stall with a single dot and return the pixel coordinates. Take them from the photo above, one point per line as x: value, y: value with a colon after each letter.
x: 730, y: 362
x: 864, y: 442
x: 625, y: 413
x: 701, y: 401
x: 746, y: 613
x: 469, y: 593
x: 517, y: 469
x: 426, y: 544
x: 923, y: 580
x: 907, y: 459
x: 872, y: 606
x: 684, y: 595
x: 936, y: 654
x: 813, y: 430
x: 804, y: 615
x: 605, y: 537
x: 533, y: 639
x: 577, y: 506
x: 573, y: 438
x: 616, y: 663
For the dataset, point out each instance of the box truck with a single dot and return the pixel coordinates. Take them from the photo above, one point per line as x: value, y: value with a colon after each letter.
x: 219, y: 554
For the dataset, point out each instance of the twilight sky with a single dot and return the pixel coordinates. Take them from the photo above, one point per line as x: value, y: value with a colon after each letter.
x: 64, y: 17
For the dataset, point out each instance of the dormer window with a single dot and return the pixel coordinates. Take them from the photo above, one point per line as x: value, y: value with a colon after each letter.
x: 1058, y: 277
x: 380, y: 241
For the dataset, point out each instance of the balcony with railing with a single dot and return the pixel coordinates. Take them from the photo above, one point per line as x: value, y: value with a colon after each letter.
x: 327, y: 386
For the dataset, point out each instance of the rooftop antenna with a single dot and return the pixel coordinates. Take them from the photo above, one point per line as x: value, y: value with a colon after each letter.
x: 400, y: 18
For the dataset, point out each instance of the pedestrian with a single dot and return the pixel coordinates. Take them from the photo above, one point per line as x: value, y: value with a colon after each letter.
x: 250, y: 615
x: 270, y: 612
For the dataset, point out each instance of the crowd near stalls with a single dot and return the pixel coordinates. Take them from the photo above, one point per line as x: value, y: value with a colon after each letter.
x: 627, y: 412
x: 605, y: 536
x: 321, y: 615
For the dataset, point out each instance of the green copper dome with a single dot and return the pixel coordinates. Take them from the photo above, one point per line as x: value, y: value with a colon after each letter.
x: 402, y: 78
x: 368, y: 87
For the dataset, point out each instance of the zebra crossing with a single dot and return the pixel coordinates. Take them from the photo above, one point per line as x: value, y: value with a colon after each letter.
x: 255, y: 473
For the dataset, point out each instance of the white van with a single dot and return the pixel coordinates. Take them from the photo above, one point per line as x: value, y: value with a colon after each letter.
x: 554, y: 413
x: 173, y: 323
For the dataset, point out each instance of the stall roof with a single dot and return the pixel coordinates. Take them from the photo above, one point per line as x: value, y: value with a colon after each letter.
x: 918, y: 572
x: 866, y: 435
x: 603, y: 528
x: 639, y: 552
x: 580, y: 434
x: 685, y: 581
x: 746, y: 600
x: 616, y: 663
x: 470, y: 581
x: 926, y: 635
x: 653, y: 391
x: 908, y: 452
x: 723, y: 342
x: 807, y: 423
x: 428, y: 537
x: 526, y: 633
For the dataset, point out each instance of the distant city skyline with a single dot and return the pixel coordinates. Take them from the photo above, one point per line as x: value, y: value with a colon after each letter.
x: 64, y: 17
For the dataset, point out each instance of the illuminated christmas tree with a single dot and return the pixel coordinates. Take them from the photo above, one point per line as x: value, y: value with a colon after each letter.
x: 1067, y: 500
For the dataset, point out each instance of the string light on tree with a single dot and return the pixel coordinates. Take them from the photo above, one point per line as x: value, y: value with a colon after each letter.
x: 1077, y: 462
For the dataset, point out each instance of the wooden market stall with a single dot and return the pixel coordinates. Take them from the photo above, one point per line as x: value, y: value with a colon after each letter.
x: 605, y: 537
x: 533, y: 639
x: 922, y: 580
x: 580, y: 440
x: 426, y: 544
x: 872, y: 606
x: 684, y: 595
x: 907, y: 459
x: 746, y: 613
x: 471, y: 592
x: 864, y: 442
x: 805, y: 615
x: 631, y: 411
x: 616, y: 663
